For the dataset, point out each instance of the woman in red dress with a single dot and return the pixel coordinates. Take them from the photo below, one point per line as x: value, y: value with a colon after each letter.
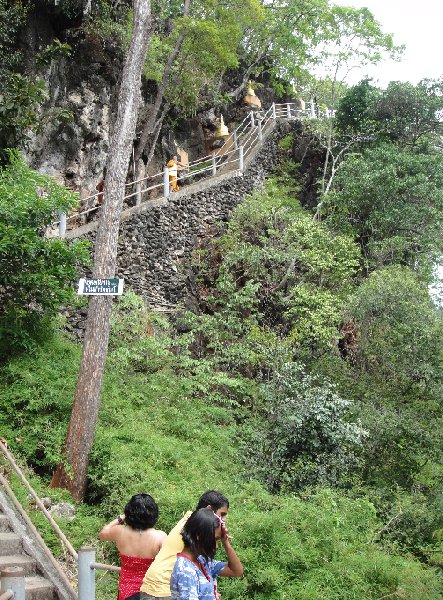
x: 137, y: 542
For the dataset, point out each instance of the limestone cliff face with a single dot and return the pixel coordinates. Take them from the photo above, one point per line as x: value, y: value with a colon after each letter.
x: 85, y: 84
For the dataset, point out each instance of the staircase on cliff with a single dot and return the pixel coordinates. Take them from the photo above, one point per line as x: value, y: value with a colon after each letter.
x: 237, y: 153
x: 19, y: 547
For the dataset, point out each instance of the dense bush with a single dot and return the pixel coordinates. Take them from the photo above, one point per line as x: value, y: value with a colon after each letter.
x: 36, y: 272
x: 276, y: 271
x: 300, y: 434
x: 391, y: 199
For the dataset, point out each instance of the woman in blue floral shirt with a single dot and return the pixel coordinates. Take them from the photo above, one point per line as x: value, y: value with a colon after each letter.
x: 195, y: 571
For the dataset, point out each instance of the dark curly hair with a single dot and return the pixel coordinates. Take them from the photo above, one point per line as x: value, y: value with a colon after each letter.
x: 199, y: 533
x: 141, y: 512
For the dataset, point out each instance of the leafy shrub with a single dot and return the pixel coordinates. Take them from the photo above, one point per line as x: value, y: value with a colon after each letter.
x: 36, y: 273
x: 300, y: 433
x: 112, y: 22
x: 391, y: 199
x: 21, y: 98
x: 277, y: 270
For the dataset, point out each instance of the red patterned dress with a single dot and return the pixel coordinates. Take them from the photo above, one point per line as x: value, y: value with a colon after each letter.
x: 131, y: 575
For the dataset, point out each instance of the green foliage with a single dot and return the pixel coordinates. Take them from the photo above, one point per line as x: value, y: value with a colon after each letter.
x: 56, y: 50
x: 391, y: 199
x: 404, y: 114
x: 319, y: 547
x: 144, y: 343
x: 279, y: 269
x: 414, y: 521
x: 355, y: 113
x: 36, y: 272
x: 156, y: 57
x: 393, y: 372
x: 72, y: 9
x: 211, y: 37
x: 12, y: 16
x: 399, y: 330
x: 398, y: 357
x: 112, y: 23
x: 153, y: 438
x: 23, y: 93
x: 286, y: 142
x: 300, y: 434
x: 36, y: 396
x: 20, y: 100
x: 410, y: 115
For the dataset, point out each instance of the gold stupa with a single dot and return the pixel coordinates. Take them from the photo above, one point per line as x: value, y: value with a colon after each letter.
x: 251, y: 99
x: 222, y: 130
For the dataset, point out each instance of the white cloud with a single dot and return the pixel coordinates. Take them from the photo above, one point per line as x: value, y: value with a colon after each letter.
x: 417, y: 25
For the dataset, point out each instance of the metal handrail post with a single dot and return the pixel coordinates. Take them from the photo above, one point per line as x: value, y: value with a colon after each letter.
x: 214, y: 166
x: 13, y: 580
x: 274, y: 115
x: 234, y: 139
x: 166, y: 182
x: 241, y: 164
x: 260, y: 130
x: 288, y: 110
x: 138, y: 194
x: 86, y: 574
x: 252, y: 119
x: 62, y: 225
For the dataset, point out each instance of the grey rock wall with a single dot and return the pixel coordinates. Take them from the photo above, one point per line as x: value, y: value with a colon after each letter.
x: 156, y: 242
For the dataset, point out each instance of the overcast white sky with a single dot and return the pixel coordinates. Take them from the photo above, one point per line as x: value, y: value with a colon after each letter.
x: 416, y: 24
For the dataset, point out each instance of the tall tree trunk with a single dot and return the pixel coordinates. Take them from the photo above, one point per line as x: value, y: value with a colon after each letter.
x: 72, y: 474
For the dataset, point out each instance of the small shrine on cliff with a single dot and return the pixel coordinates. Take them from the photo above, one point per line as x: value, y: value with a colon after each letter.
x: 251, y: 99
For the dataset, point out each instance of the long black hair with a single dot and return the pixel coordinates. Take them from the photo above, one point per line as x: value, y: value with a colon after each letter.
x: 141, y: 512
x: 199, y: 533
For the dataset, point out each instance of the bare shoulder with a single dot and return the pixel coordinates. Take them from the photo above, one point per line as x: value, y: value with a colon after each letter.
x: 160, y: 535
x: 111, y: 533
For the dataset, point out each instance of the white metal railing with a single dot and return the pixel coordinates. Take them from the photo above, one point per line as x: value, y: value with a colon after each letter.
x: 236, y: 149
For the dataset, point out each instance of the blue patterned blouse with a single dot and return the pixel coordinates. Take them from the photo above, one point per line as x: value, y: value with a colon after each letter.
x: 188, y: 582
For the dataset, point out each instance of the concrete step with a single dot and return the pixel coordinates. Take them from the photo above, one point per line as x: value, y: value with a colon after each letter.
x: 42, y: 580
x: 4, y: 523
x: 23, y: 561
x: 10, y: 543
x: 38, y: 588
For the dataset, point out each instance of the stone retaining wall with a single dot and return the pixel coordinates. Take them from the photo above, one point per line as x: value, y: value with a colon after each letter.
x: 156, y: 241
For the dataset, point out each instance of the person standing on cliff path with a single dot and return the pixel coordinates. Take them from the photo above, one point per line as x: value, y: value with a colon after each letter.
x: 173, y: 166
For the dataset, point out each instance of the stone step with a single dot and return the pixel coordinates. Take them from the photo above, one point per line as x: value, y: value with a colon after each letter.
x: 38, y: 588
x: 4, y: 523
x: 10, y: 543
x: 23, y: 561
